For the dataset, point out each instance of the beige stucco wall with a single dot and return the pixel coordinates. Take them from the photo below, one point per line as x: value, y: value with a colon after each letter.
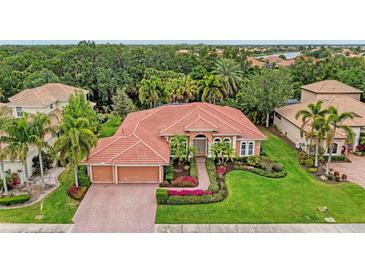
x: 289, y: 129
x: 308, y: 96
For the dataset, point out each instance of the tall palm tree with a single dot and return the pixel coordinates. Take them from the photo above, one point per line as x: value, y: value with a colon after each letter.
x: 230, y: 73
x: 41, y: 126
x: 335, y: 121
x: 75, y: 142
x: 210, y: 89
x: 320, y: 130
x: 18, y: 139
x: 3, y: 121
x: 310, y: 114
x: 150, y: 91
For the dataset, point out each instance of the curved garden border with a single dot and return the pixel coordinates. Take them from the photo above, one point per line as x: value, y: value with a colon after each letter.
x: 42, y: 197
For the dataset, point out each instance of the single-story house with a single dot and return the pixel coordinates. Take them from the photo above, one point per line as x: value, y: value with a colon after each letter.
x: 49, y: 99
x: 333, y: 93
x: 141, y: 147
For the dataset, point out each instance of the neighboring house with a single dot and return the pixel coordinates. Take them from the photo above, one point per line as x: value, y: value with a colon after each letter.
x: 140, y: 148
x: 286, y: 63
x: 256, y: 63
x: 332, y: 93
x: 49, y: 99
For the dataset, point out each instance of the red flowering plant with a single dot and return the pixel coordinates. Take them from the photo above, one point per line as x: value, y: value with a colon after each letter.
x: 77, y: 192
x: 221, y: 170
x: 186, y: 192
x: 185, y: 181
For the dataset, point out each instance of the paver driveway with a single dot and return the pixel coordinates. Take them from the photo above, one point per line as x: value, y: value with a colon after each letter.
x: 355, y: 170
x: 117, y: 208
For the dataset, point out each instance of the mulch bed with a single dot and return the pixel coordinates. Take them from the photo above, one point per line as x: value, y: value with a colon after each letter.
x: 181, y: 170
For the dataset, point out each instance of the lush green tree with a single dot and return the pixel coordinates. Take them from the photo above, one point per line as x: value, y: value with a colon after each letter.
x: 179, y: 148
x: 181, y: 89
x: 151, y: 92
x: 229, y: 72
x: 210, y: 89
x: 222, y: 151
x: 3, y: 121
x: 320, y: 130
x: 18, y: 139
x: 79, y: 107
x: 40, y: 127
x: 122, y: 104
x: 75, y: 142
x: 264, y: 91
x: 335, y: 122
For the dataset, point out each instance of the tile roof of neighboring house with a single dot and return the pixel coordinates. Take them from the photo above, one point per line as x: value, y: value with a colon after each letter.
x: 330, y: 86
x: 140, y: 138
x: 256, y: 63
x: 342, y: 105
x: 286, y: 63
x: 273, y: 59
x: 42, y: 96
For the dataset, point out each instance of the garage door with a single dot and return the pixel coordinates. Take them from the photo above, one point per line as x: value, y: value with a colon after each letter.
x: 138, y: 174
x: 102, y: 174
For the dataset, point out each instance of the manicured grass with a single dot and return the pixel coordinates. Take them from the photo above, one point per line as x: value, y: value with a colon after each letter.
x: 256, y: 199
x: 57, y: 207
x: 110, y: 126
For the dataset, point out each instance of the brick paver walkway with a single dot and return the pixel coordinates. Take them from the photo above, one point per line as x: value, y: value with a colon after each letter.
x: 117, y: 208
x: 355, y: 170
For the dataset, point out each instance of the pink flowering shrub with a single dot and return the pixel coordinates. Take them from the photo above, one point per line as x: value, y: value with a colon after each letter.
x: 221, y: 170
x: 185, y: 181
x: 186, y: 192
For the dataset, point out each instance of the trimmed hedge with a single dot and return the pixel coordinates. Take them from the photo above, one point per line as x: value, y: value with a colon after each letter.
x: 336, y: 158
x: 161, y: 195
x: 193, y: 168
x: 211, y: 168
x: 191, y: 199
x: 14, y: 199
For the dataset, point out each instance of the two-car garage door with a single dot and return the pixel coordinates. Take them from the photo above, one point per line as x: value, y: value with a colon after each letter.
x: 104, y: 174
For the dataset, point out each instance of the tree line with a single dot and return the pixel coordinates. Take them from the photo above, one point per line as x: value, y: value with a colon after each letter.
x: 125, y: 78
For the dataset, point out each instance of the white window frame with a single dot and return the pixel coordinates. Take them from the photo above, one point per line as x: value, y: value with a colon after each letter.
x: 247, y: 143
x: 229, y: 141
x: 217, y: 139
x: 17, y: 111
x: 337, y: 146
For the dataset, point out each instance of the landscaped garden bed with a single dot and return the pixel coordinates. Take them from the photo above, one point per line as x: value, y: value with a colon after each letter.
x: 360, y: 150
x: 183, y: 174
x: 216, y: 192
x: 78, y: 192
x: 332, y: 178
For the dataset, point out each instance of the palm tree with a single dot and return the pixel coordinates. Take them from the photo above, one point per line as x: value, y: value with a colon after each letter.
x: 229, y: 72
x: 210, y: 89
x: 3, y: 122
x: 18, y: 139
x: 320, y: 130
x: 179, y: 148
x: 41, y: 126
x: 335, y: 121
x: 310, y: 114
x: 150, y: 91
x: 75, y: 142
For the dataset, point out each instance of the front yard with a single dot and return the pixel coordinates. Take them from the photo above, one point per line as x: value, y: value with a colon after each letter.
x: 58, y: 207
x: 292, y: 199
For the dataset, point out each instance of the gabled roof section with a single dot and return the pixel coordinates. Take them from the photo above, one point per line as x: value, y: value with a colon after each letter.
x: 201, y: 124
x: 330, y: 86
x: 43, y: 96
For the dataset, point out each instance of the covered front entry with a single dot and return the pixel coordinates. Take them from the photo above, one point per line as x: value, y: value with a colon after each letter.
x: 143, y: 174
x: 200, y: 143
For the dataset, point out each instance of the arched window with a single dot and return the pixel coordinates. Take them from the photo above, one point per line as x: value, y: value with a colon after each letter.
x: 250, y: 148
x: 217, y: 140
x: 334, y: 150
x: 227, y: 140
x: 243, y: 149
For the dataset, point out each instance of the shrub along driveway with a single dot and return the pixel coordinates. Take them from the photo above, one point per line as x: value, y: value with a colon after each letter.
x: 256, y: 199
x: 355, y: 170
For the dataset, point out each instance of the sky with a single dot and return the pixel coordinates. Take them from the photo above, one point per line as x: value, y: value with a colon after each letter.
x: 192, y: 42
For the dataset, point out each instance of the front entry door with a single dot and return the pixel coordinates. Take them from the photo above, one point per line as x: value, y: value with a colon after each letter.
x: 201, y: 146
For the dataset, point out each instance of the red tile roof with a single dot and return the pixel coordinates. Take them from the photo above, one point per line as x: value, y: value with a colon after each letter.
x: 140, y: 138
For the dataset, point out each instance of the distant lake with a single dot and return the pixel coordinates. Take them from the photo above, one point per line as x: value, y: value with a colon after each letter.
x: 288, y: 55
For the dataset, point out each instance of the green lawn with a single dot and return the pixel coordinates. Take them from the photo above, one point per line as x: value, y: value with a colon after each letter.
x: 110, y: 126
x: 57, y: 207
x: 256, y: 199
